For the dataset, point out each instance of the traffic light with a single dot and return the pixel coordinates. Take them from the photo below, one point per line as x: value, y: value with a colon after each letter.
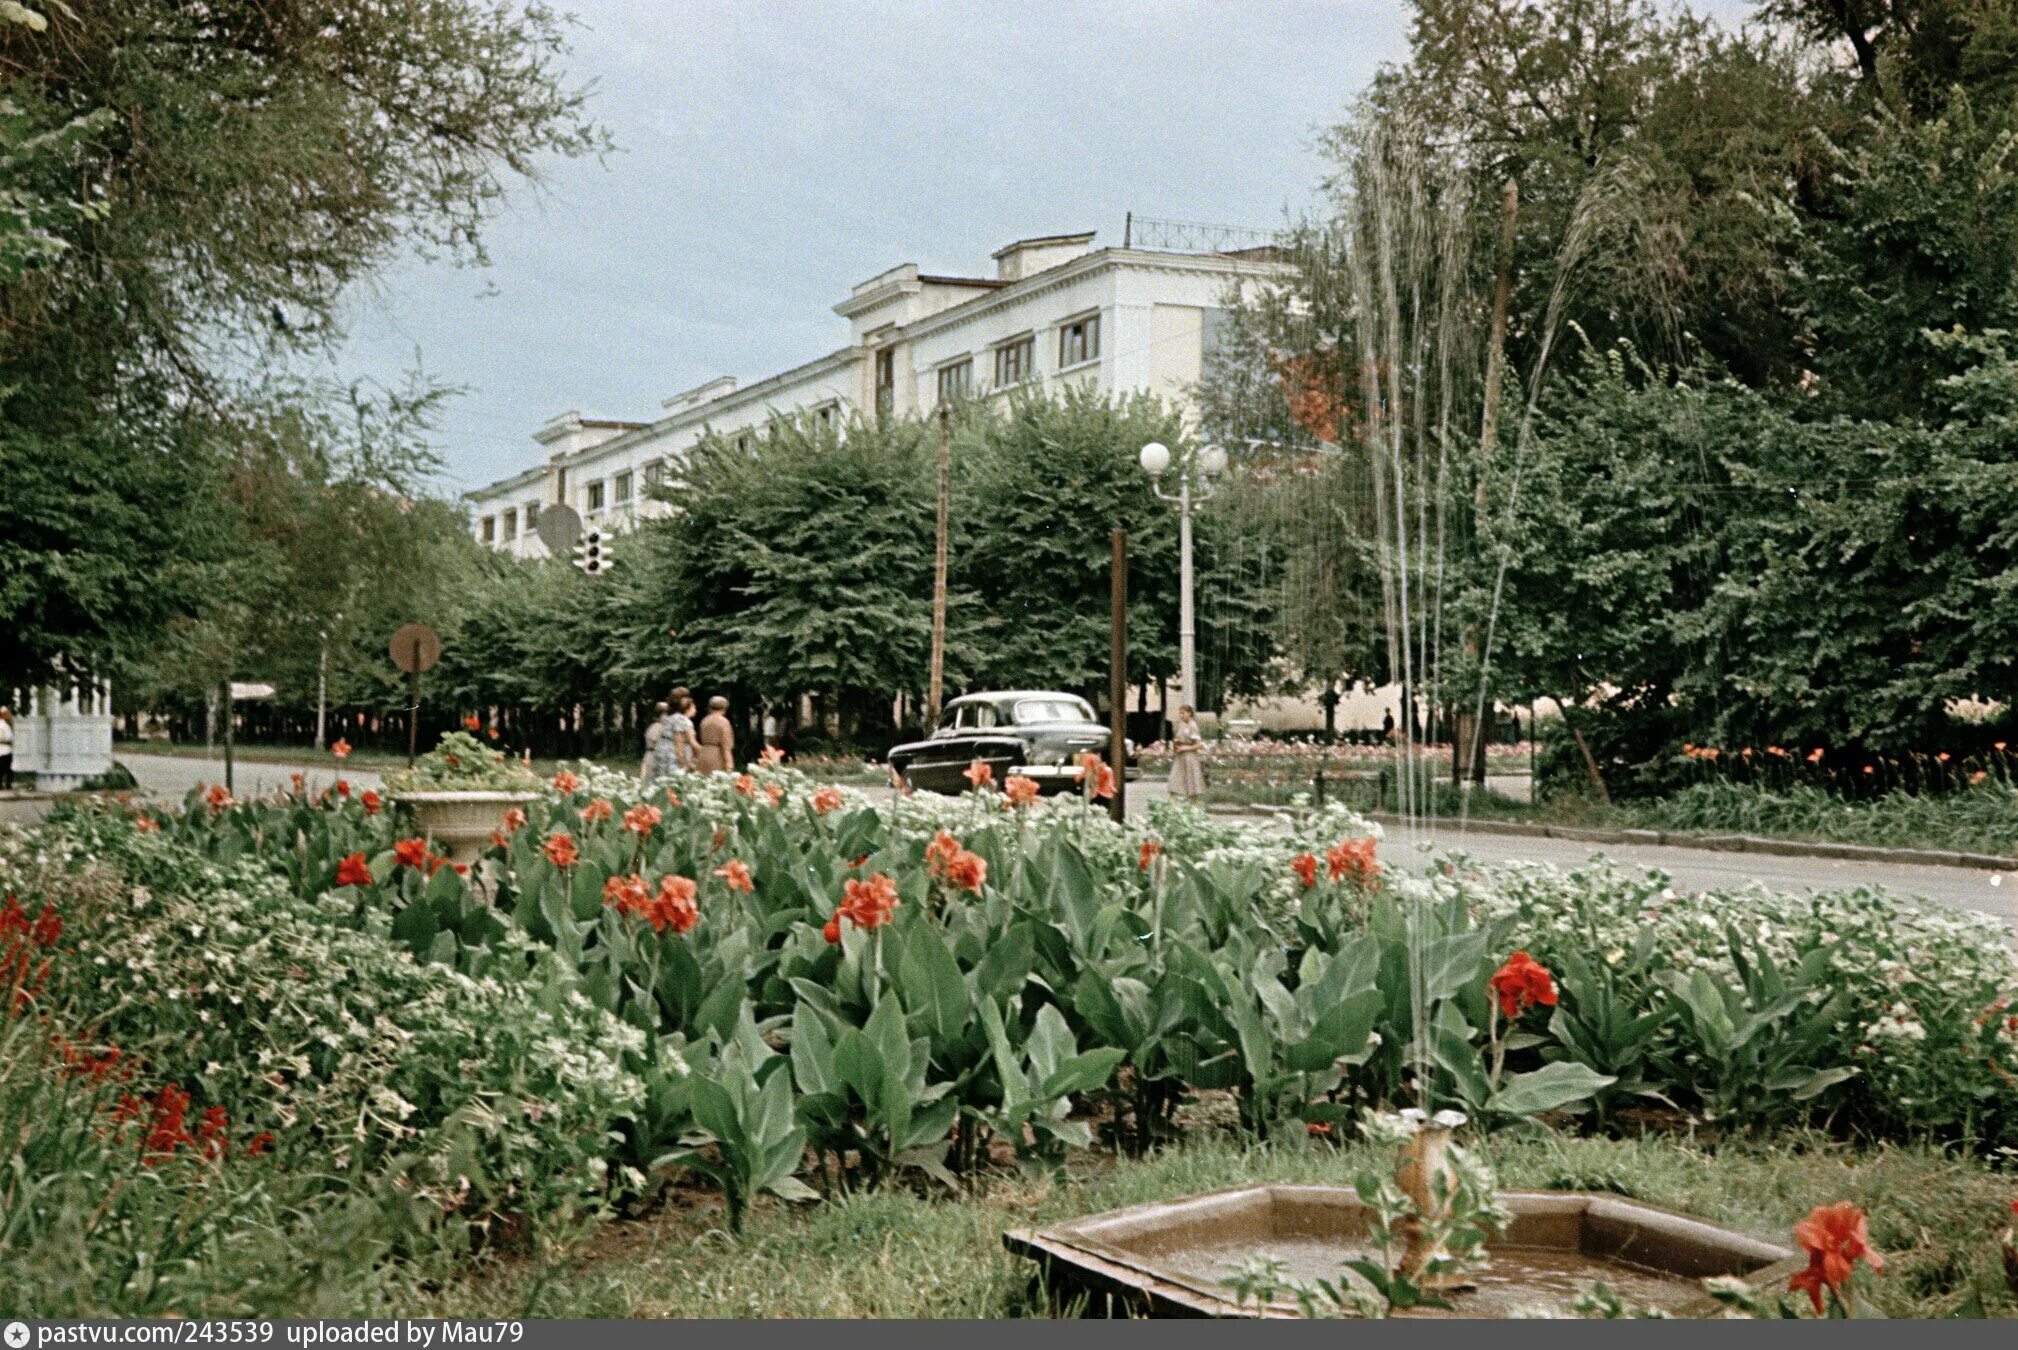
x: 592, y: 554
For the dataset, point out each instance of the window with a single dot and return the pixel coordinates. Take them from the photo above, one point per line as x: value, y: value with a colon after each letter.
x: 594, y: 495
x: 1034, y: 710
x: 886, y: 380
x: 655, y: 474
x: 1015, y: 362
x: 532, y: 517
x: 956, y: 381
x: 487, y: 529
x: 745, y: 442
x: 975, y: 716
x: 622, y: 487
x: 1079, y: 340
x: 509, y: 528
x: 827, y: 414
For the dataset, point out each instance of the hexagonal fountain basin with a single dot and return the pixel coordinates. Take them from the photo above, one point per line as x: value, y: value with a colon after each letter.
x: 1171, y: 1259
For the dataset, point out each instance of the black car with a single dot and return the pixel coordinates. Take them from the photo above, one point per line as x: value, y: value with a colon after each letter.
x: 1037, y: 733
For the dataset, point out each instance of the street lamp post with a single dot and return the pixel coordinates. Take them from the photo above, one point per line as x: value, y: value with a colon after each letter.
x: 1195, y: 476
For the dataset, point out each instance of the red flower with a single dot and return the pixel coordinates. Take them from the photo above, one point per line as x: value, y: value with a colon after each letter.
x: 354, y: 871
x: 372, y: 802
x: 340, y: 748
x: 642, y: 819
x: 628, y: 895
x: 144, y: 824
x: 1318, y: 1129
x: 514, y: 819
x: 167, y: 1114
x: 566, y: 783
x: 492, y: 733
x: 674, y: 907
x: 735, y: 874
x: 343, y: 788
x: 1815, y: 755
x: 1151, y: 851
x: 1019, y: 790
x: 1305, y: 867
x: 772, y: 755
x: 1103, y: 782
x: 831, y: 930
x: 967, y: 871
x: 825, y: 800
x: 980, y: 774
x: 560, y: 849
x: 1835, y: 1238
x: 943, y: 849
x: 746, y: 785
x: 218, y: 797
x: 775, y: 793
x: 210, y: 1131
x: 258, y: 1144
x: 598, y: 810
x: 472, y: 722
x: 1522, y: 983
x: 1354, y: 858
x: 412, y: 853
x: 869, y: 904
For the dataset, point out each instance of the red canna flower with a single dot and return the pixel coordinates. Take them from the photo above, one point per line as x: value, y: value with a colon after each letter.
x: 1835, y: 1238
x: 675, y: 906
x: 1318, y: 1129
x: 1103, y: 782
x: 514, y: 820
x: 566, y: 783
x: 1019, y: 790
x: 1815, y: 755
x: 145, y: 824
x: 258, y: 1144
x: 597, y: 811
x: 967, y: 871
x: 735, y: 874
x: 1305, y: 867
x: 870, y: 903
x: 1151, y: 851
x: 825, y: 800
x: 980, y: 774
x: 560, y: 849
x: 772, y: 755
x: 831, y: 930
x: 210, y: 1131
x: 343, y: 788
x: 1354, y: 858
x: 938, y: 854
x: 353, y: 871
x: 642, y: 819
x: 775, y: 793
x: 628, y: 895
x: 372, y: 802
x: 492, y: 733
x: 411, y: 853
x: 746, y: 785
x: 218, y: 797
x: 1522, y: 983
x: 472, y: 722
x: 340, y: 748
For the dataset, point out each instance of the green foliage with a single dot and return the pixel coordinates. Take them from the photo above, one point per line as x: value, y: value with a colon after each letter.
x: 461, y: 762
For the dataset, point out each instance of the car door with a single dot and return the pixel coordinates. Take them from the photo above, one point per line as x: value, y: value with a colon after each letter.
x: 937, y: 767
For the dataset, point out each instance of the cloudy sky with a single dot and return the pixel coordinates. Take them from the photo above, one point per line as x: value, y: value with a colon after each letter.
x: 772, y: 154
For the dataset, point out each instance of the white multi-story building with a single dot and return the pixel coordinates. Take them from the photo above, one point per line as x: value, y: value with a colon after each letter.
x: 1057, y: 312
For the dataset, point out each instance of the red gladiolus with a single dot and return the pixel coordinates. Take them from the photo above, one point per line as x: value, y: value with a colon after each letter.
x: 167, y: 1114
x: 1019, y: 790
x: 411, y: 853
x: 1354, y: 858
x: 514, y: 819
x: 560, y: 849
x: 825, y: 800
x: 1151, y: 851
x: 372, y: 802
x: 938, y: 854
x: 1522, y: 983
x: 642, y: 819
x: 472, y: 722
x: 967, y: 871
x: 597, y: 811
x: 980, y: 774
x: 831, y: 930
x: 353, y: 871
x: 340, y: 748
x: 566, y: 783
x: 210, y: 1131
x: 1305, y: 867
x: 1835, y: 1238
x: 870, y: 903
x: 735, y: 874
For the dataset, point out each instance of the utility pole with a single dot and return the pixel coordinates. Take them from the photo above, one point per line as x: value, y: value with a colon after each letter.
x: 321, y: 689
x: 1117, y: 679
x: 224, y: 697
x: 1467, y: 730
x: 935, y: 689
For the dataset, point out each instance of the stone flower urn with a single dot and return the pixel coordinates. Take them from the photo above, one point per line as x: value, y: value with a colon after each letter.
x: 461, y: 822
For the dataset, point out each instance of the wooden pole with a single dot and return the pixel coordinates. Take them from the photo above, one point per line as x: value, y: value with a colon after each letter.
x: 936, y: 687
x: 224, y: 698
x: 1117, y: 679
x: 413, y: 717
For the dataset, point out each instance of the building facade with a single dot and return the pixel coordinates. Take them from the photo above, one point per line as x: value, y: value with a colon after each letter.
x: 1058, y: 312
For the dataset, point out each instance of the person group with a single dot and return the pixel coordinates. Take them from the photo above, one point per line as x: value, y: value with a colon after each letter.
x: 675, y: 744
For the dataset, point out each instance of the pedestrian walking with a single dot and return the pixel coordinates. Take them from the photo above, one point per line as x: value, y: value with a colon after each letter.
x: 1187, y: 756
x: 683, y: 748
x: 661, y: 727
x: 6, y: 749
x: 717, y: 739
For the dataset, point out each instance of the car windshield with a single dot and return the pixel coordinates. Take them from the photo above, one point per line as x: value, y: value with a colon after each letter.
x: 1052, y: 710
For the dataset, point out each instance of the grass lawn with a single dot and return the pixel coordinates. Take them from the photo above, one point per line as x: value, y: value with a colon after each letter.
x: 907, y: 1256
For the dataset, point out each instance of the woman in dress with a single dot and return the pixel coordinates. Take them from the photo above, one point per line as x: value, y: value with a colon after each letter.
x: 681, y: 735
x: 1187, y: 749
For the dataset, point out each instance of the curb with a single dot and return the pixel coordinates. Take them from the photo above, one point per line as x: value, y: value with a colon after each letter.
x: 1736, y: 843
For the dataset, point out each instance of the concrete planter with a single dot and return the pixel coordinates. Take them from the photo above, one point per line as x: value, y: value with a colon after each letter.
x: 1171, y: 1259
x: 461, y: 822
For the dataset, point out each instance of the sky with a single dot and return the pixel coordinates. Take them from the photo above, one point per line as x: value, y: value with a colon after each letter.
x: 773, y: 153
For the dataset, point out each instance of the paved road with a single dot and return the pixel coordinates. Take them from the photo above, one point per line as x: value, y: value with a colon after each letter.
x: 1696, y: 869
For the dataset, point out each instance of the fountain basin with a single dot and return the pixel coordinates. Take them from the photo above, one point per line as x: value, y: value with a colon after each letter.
x: 1171, y: 1259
